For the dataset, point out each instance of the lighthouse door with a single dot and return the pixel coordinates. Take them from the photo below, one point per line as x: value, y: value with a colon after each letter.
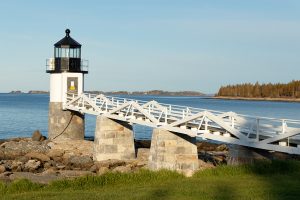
x: 72, y: 84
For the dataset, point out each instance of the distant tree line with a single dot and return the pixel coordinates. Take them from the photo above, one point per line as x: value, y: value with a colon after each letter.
x: 278, y: 90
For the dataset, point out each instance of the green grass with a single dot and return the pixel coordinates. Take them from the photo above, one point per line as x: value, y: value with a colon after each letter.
x: 263, y: 180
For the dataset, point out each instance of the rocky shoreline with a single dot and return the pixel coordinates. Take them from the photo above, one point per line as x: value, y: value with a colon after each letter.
x: 41, y: 160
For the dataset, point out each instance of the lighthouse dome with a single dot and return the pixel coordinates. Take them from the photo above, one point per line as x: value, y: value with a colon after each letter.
x: 68, y: 41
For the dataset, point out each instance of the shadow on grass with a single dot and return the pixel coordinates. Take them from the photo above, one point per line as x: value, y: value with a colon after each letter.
x: 276, y: 179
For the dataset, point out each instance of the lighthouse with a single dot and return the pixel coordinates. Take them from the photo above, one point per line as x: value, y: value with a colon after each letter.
x: 67, y: 71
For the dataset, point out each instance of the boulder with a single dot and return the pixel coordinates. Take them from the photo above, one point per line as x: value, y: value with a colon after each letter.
x: 22, y: 159
x: 16, y: 166
x: 222, y: 147
x: 7, y: 164
x: 94, y: 168
x: 204, y: 165
x: 43, y: 138
x: 36, y: 136
x: 2, y: 154
x: 122, y: 169
x: 102, y: 170
x: 2, y: 169
x: 83, y: 162
x: 38, y: 156
x: 14, y: 149
x: 55, y: 154
x: 60, y: 166
x: 32, y: 165
x: 51, y: 170
x: 111, y: 163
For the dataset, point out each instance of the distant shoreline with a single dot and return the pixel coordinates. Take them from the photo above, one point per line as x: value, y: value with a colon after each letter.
x: 137, y: 93
x: 258, y: 99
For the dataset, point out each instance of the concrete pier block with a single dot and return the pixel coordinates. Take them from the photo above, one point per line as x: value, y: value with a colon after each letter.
x: 113, y: 140
x: 245, y: 155
x: 173, y: 151
x: 64, y: 124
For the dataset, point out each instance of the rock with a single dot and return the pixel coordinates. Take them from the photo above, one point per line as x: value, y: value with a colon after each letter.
x: 38, y: 156
x: 204, y: 165
x: 32, y: 165
x: 94, y: 168
x: 47, y: 165
x: 2, y: 154
x: 122, y: 169
x: 2, y: 169
x: 36, y: 136
x: 111, y: 163
x: 51, y: 170
x: 65, y: 158
x: 83, y: 162
x: 60, y: 166
x: 7, y: 164
x: 13, y: 149
x: 22, y: 159
x: 43, y: 138
x: 142, y: 163
x: 222, y: 147
x: 72, y: 146
x: 206, y: 146
x: 53, y: 153
x: 102, y: 170
x: 16, y: 166
x: 143, y: 154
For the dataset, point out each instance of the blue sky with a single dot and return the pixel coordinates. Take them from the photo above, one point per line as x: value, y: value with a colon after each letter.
x: 153, y: 44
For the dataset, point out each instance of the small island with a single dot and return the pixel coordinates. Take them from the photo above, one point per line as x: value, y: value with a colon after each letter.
x: 29, y: 92
x: 16, y: 92
x: 37, y: 92
x: 268, y: 92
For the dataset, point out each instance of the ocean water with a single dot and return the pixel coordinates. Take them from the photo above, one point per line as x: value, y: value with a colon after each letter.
x: 21, y: 114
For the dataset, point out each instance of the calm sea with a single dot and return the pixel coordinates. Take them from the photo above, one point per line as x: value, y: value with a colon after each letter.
x: 21, y: 114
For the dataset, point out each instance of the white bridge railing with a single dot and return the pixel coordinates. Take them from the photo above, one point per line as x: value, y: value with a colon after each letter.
x: 272, y: 134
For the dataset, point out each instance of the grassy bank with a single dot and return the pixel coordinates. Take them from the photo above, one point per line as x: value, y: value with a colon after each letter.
x: 264, y: 180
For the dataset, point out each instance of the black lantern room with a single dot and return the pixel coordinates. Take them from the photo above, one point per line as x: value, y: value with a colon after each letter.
x: 67, y: 56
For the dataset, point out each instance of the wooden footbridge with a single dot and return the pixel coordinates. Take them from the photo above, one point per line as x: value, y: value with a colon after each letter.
x: 271, y: 134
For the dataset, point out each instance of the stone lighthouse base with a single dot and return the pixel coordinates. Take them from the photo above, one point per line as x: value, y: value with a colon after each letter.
x: 64, y: 123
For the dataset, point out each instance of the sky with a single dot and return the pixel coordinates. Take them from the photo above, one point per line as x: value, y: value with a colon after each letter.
x: 138, y: 45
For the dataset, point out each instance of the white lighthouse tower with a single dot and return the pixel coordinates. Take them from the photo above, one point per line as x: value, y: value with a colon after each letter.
x: 66, y: 77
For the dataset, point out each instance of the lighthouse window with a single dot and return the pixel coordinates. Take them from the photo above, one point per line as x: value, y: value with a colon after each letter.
x: 65, y: 52
x: 71, y: 53
x: 57, y: 52
x: 76, y: 53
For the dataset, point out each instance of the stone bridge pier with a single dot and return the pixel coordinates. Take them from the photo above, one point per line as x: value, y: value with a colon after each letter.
x: 173, y: 151
x: 113, y: 140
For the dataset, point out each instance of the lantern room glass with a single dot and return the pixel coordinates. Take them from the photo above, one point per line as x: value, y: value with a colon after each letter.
x: 62, y: 52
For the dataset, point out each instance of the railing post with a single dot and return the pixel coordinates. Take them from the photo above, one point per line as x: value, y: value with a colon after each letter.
x: 106, y: 105
x: 166, y: 115
x: 257, y: 130
x: 283, y: 124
